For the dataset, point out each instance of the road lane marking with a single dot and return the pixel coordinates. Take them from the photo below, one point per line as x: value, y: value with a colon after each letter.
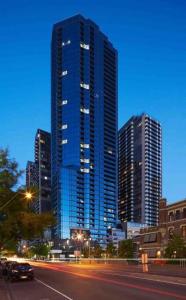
x: 143, y: 278
x: 53, y: 289
x: 8, y: 296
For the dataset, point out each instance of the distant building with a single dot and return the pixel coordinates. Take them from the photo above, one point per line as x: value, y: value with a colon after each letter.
x: 132, y: 229
x: 31, y: 175
x: 43, y: 167
x: 140, y: 170
x: 172, y: 221
x: 84, y: 129
x: 38, y: 173
x: 116, y: 235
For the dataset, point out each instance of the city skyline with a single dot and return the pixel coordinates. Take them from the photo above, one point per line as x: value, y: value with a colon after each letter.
x: 133, y: 87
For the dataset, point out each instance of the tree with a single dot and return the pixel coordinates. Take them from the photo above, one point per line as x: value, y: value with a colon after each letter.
x: 17, y: 221
x: 85, y: 252
x: 110, y: 250
x: 176, y: 248
x: 97, y: 251
x: 40, y: 250
x: 125, y: 249
x: 9, y: 173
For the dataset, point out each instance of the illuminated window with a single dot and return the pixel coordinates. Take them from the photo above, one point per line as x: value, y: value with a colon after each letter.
x: 86, y: 146
x: 64, y: 126
x: 64, y: 73
x: 84, y: 85
x: 84, y: 170
x: 84, y: 110
x: 85, y: 160
x: 64, y: 102
x: 42, y: 142
x: 84, y: 46
x: 64, y: 142
x: 109, y: 150
x: 66, y: 43
x: 45, y: 177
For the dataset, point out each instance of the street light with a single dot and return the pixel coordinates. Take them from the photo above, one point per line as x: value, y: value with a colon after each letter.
x: 79, y: 236
x: 88, y: 245
x: 28, y: 195
x: 158, y: 254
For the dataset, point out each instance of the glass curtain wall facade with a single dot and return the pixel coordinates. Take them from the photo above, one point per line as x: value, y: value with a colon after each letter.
x: 84, y: 129
x: 140, y: 170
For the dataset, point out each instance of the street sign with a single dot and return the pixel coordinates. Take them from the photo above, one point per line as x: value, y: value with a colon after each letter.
x: 144, y: 258
x: 55, y: 251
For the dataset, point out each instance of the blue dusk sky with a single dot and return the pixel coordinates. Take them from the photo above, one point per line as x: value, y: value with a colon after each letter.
x: 151, y: 40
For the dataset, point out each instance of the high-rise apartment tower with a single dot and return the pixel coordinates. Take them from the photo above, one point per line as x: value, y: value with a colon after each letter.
x: 140, y: 170
x: 43, y: 168
x: 84, y: 129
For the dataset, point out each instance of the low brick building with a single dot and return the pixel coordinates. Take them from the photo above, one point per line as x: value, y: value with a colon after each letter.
x: 172, y: 220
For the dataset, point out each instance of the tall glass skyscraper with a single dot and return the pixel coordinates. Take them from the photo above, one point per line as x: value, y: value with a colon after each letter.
x: 140, y: 170
x: 84, y: 129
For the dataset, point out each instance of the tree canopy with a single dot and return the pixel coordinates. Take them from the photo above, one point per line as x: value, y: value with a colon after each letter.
x: 17, y: 220
x: 176, y: 248
x: 111, y: 250
x: 97, y: 251
x: 40, y: 250
x: 125, y: 249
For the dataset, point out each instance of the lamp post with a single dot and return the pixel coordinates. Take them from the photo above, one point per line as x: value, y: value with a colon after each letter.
x: 79, y: 238
x: 89, y: 241
x: 27, y: 195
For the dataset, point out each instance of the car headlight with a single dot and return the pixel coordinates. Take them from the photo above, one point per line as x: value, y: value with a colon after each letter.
x: 14, y: 271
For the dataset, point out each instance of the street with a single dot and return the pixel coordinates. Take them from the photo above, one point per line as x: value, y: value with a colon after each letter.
x: 101, y: 282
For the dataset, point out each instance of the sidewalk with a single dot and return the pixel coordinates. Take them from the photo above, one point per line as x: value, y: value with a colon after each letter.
x: 4, y: 295
x: 161, y: 278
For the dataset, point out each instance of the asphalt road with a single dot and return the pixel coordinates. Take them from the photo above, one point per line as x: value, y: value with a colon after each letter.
x: 92, y: 282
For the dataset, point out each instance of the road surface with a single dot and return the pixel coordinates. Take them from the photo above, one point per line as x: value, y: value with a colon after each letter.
x: 94, y: 282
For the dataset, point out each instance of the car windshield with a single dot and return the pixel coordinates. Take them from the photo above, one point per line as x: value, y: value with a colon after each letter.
x: 22, y: 266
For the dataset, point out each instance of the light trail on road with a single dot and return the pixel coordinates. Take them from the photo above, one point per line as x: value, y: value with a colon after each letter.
x: 65, y: 269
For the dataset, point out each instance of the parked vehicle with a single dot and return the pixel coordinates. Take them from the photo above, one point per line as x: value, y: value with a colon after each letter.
x: 3, y: 260
x: 18, y: 271
x: 6, y: 265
